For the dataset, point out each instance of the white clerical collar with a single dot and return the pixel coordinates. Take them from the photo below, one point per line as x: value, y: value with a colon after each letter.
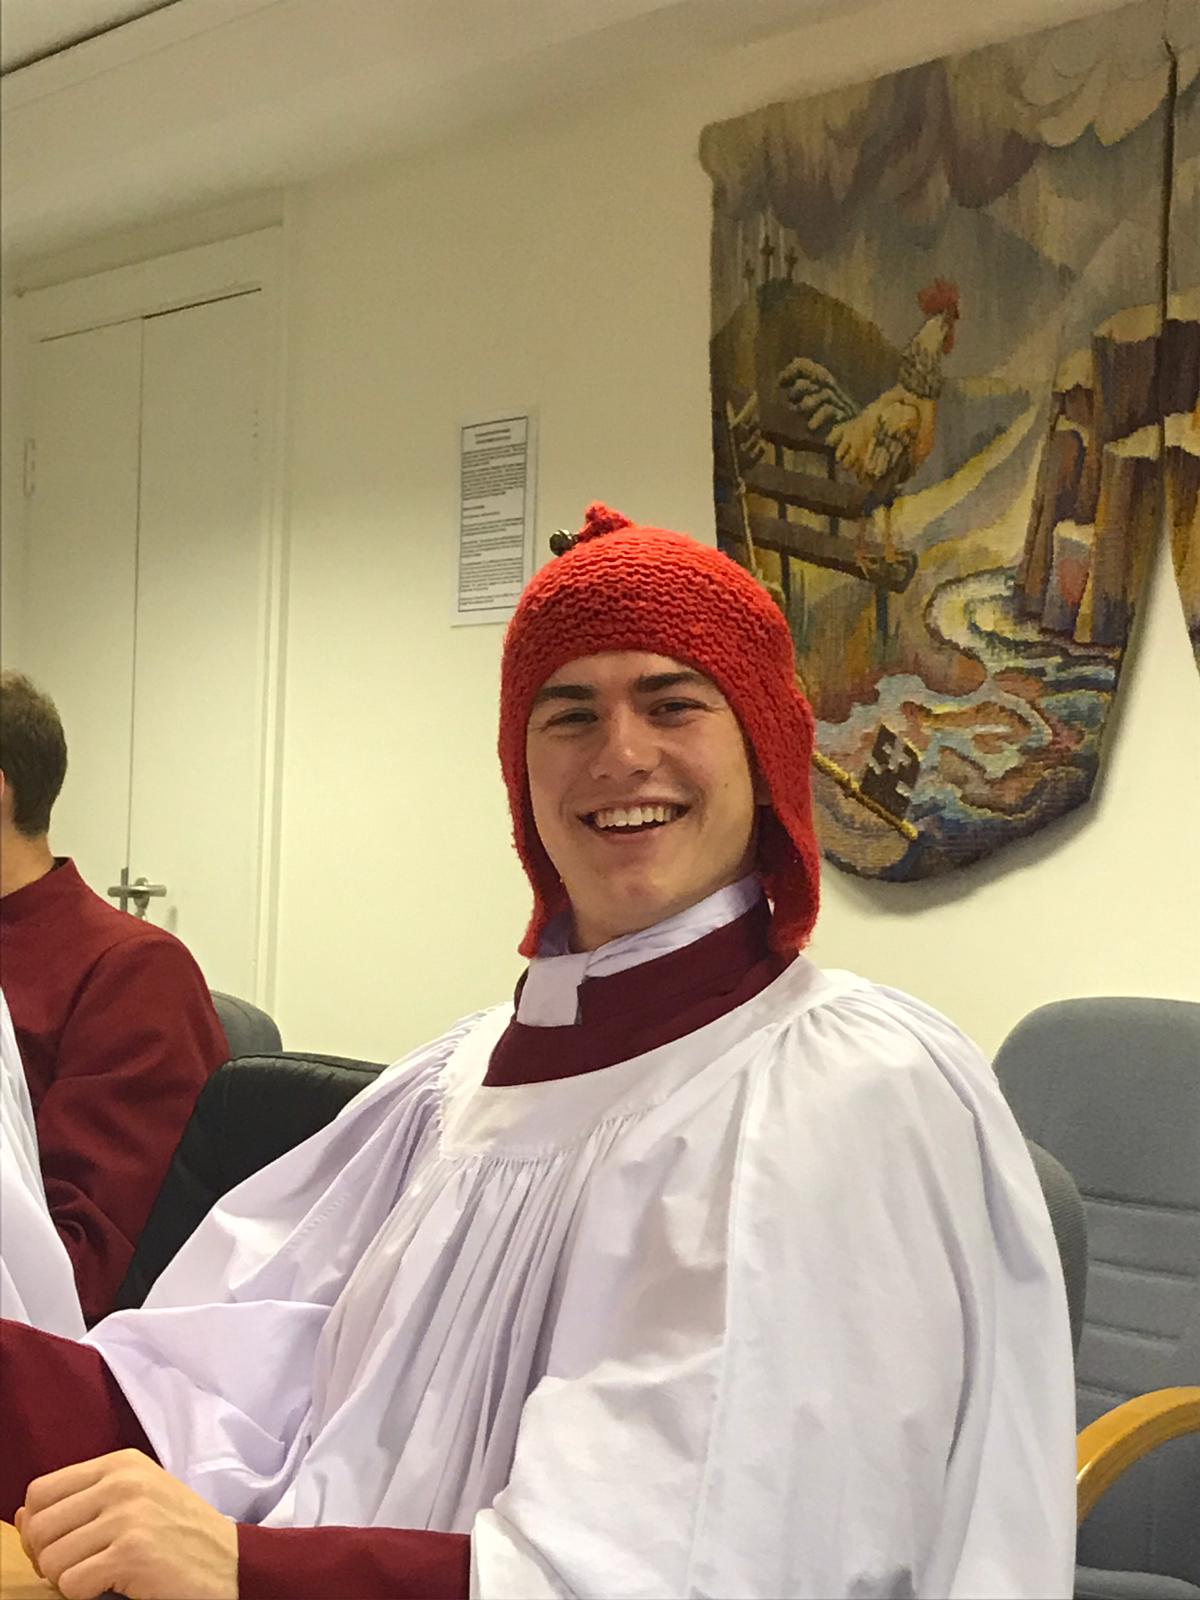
x: 550, y: 997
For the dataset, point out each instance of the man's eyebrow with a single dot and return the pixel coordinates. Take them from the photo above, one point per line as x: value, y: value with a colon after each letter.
x: 650, y: 683
x: 655, y: 682
x: 564, y: 691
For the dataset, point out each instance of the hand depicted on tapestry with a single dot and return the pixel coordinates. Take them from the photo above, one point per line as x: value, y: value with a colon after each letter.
x: 885, y: 442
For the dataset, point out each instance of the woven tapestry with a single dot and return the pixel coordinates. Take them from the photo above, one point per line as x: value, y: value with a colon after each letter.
x: 940, y: 362
x: 1181, y: 335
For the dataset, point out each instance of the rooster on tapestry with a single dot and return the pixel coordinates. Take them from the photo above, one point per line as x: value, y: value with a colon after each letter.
x: 882, y: 443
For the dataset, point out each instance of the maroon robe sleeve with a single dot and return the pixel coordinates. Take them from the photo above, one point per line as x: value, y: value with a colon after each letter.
x: 139, y: 1045
x: 368, y: 1563
x: 59, y: 1404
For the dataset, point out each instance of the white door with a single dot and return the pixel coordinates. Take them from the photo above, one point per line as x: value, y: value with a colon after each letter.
x: 198, y: 662
x: 146, y: 612
x: 80, y: 573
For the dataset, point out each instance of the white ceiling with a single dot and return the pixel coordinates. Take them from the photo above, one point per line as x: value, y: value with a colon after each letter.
x: 33, y: 29
x: 192, y: 103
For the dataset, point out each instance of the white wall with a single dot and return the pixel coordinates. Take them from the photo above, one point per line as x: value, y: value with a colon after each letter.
x: 563, y: 264
x: 12, y: 490
x: 566, y: 266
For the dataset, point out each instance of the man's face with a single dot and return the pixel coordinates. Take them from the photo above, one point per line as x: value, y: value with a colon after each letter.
x: 611, y: 735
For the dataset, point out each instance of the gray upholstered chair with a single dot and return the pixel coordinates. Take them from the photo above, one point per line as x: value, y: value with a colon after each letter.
x: 250, y: 1032
x: 1111, y: 1087
x: 1065, y: 1206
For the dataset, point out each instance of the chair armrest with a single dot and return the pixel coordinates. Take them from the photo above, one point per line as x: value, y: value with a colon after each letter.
x: 1109, y: 1446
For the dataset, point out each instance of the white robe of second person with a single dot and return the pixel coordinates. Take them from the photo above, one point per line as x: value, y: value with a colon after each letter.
x: 772, y: 1310
x: 37, y: 1280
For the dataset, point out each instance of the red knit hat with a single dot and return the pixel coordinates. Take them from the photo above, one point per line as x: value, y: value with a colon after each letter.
x: 622, y: 587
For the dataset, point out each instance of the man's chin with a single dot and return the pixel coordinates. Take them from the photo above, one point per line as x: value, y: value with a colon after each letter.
x: 632, y: 908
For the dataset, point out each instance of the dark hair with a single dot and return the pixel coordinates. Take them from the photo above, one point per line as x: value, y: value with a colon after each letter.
x: 33, y: 752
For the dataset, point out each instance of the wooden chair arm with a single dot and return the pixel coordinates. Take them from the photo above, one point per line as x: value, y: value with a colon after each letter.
x: 1109, y: 1446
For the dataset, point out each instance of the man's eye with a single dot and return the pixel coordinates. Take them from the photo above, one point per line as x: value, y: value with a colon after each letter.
x: 567, y: 718
x: 674, y: 708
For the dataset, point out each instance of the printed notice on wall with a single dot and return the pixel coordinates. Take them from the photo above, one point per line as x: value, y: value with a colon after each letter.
x: 495, y: 525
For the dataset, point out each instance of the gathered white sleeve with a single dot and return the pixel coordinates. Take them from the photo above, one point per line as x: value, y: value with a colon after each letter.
x: 218, y: 1364
x: 37, y: 1281
x: 846, y: 1371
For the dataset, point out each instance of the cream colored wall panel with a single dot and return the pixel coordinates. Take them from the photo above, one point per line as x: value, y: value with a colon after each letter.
x: 196, y: 795
x: 77, y: 619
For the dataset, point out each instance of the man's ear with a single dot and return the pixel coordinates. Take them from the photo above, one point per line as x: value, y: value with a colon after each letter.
x: 8, y: 801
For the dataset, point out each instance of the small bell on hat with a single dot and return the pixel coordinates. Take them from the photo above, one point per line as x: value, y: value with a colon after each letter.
x: 597, y: 519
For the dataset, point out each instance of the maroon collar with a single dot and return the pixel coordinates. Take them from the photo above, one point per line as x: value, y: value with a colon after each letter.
x: 645, y: 1006
x: 59, y: 886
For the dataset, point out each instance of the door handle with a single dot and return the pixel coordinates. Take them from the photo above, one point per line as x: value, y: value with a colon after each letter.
x: 140, y: 891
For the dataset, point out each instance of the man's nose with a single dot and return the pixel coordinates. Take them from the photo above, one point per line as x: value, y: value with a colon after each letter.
x: 628, y: 747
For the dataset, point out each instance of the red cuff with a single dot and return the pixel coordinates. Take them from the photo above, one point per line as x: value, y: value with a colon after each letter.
x: 367, y: 1563
x: 59, y: 1404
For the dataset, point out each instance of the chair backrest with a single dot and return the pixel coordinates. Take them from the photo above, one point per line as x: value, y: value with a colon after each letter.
x: 1065, y: 1205
x: 1111, y: 1087
x: 249, y: 1031
x: 251, y: 1111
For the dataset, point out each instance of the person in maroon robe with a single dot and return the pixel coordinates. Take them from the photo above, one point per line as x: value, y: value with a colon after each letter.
x: 114, y: 1021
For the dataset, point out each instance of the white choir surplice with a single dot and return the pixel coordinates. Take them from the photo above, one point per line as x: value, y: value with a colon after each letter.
x: 772, y: 1310
x: 37, y: 1281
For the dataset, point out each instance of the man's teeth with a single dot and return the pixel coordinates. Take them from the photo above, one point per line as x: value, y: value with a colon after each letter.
x: 634, y: 816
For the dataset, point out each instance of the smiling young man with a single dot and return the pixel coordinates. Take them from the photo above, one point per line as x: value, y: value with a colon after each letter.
x: 697, y: 1271
x: 642, y: 791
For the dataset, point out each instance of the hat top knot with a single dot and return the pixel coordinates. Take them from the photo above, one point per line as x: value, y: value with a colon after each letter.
x: 598, y: 519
